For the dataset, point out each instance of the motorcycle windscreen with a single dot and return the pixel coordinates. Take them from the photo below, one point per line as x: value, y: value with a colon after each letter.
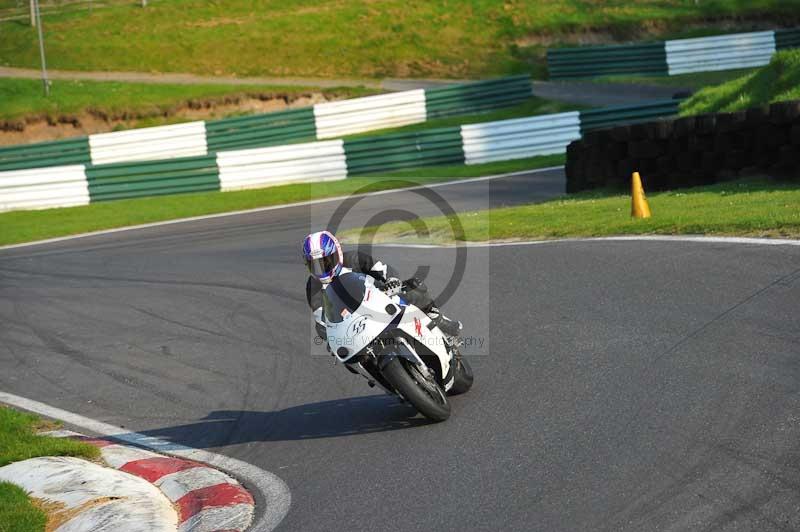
x: 343, y: 296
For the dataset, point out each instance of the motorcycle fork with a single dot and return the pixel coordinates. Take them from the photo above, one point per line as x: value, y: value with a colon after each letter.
x: 371, y: 381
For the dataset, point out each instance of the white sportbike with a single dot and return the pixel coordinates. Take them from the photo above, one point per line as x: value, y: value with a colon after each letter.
x: 393, y: 344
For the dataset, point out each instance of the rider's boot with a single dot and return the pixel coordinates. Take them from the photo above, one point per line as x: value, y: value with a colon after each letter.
x: 445, y: 324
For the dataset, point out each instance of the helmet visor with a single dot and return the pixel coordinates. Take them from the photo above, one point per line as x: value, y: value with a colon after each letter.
x: 323, y: 267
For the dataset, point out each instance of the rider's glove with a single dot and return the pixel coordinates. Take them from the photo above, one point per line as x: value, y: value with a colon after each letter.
x: 392, y: 286
x: 415, y: 284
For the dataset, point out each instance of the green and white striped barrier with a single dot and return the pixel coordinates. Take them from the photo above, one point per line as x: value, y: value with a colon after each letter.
x: 328, y: 160
x: 322, y: 121
x: 669, y: 58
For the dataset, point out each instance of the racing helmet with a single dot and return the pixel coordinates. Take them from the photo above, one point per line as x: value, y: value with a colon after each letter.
x: 323, y: 255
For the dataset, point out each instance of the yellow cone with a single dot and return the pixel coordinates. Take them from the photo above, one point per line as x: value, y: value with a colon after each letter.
x: 639, y: 206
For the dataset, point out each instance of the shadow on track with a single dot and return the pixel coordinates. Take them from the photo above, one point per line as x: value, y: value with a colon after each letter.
x: 326, y: 419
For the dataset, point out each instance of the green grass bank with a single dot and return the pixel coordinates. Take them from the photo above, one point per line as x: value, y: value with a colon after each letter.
x: 332, y: 38
x: 775, y: 82
x: 695, y: 80
x: 19, y: 441
x: 17, y: 512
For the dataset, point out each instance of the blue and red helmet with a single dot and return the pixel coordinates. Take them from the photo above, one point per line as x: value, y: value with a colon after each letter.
x: 323, y: 255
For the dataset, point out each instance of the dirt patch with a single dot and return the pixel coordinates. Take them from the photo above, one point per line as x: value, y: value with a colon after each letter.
x: 655, y: 29
x: 45, y: 425
x: 45, y: 127
x: 58, y: 514
x: 216, y: 22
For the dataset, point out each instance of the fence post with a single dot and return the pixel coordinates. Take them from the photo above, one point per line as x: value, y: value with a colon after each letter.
x: 45, y: 81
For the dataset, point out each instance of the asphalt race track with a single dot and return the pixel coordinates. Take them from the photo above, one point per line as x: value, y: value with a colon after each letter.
x: 621, y: 385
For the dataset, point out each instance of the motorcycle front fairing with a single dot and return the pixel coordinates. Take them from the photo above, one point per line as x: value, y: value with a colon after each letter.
x: 356, y: 313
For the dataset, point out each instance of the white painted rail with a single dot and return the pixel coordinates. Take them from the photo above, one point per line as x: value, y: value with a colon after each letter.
x: 724, y: 52
x: 297, y: 163
x: 520, y: 138
x: 42, y: 188
x: 149, y: 144
x: 336, y: 119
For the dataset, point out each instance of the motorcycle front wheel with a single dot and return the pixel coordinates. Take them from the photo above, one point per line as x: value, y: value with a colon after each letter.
x: 426, y: 396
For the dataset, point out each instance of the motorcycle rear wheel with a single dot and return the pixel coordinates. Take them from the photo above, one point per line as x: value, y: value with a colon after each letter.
x: 426, y: 396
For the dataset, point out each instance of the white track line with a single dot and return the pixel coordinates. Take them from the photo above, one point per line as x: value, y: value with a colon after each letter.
x: 635, y: 238
x: 275, y: 492
x: 278, y: 207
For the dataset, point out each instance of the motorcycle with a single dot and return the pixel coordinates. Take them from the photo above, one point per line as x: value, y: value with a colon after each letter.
x: 393, y: 344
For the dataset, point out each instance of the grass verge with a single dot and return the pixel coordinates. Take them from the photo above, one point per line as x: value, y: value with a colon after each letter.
x: 697, y: 80
x: 26, y: 226
x: 753, y: 207
x: 775, y: 82
x: 331, y: 38
x: 147, y: 103
x: 19, y: 441
x: 17, y: 512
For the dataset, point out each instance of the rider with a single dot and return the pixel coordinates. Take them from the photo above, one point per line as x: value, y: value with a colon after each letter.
x: 325, y: 260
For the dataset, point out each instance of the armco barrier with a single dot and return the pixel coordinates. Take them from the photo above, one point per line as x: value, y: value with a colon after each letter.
x: 519, y: 138
x: 479, y: 96
x: 40, y: 188
x: 337, y: 119
x: 322, y: 121
x: 679, y: 56
x: 313, y: 161
x: 263, y: 167
x: 787, y: 39
x: 271, y: 129
x: 152, y: 178
x: 565, y: 63
x: 42, y: 154
x: 387, y: 153
x: 627, y: 114
x: 726, y: 52
x: 148, y: 144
